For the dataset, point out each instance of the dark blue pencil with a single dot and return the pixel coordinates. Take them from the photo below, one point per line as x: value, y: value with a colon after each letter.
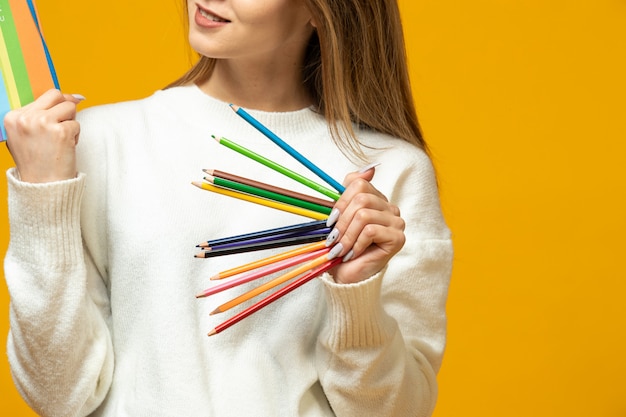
x: 289, y: 241
x: 294, y: 228
x: 258, y: 240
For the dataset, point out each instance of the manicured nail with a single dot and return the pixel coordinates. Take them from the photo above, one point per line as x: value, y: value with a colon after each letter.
x: 78, y: 97
x: 348, y: 256
x: 368, y: 167
x: 334, y: 215
x: 330, y: 239
x: 335, y: 251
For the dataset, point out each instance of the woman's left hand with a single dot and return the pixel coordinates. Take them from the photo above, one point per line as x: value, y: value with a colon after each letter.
x: 368, y: 232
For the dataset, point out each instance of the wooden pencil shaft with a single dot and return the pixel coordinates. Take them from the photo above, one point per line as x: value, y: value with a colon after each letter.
x: 279, y: 168
x: 271, y: 284
x: 269, y: 260
x: 263, y: 202
x: 262, y: 246
x: 288, y: 148
x: 300, y: 227
x: 259, y: 192
x: 275, y: 296
x: 269, y: 187
x: 251, y: 276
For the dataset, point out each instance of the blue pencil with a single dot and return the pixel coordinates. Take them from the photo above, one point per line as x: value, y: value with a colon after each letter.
x: 285, y: 146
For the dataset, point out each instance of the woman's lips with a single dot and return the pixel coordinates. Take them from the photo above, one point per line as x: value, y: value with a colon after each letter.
x: 207, y: 18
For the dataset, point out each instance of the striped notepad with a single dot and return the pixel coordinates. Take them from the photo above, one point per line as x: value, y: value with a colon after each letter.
x: 25, y: 63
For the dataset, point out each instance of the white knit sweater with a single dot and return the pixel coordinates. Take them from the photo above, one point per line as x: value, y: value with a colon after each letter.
x: 102, y: 277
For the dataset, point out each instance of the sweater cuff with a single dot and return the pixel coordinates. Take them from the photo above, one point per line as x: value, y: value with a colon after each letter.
x: 45, y: 218
x: 355, y: 314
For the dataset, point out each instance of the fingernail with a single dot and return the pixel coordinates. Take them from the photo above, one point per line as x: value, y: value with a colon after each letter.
x: 330, y: 239
x: 368, y: 167
x: 79, y: 97
x: 334, y: 215
x: 348, y: 256
x: 336, y: 250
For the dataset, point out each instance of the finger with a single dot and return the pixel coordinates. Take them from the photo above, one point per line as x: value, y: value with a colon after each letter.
x: 368, y: 227
x: 63, y: 111
x: 46, y: 101
x: 363, y: 209
x: 357, y: 186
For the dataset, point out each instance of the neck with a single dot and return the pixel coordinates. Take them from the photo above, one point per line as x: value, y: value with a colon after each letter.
x: 273, y: 88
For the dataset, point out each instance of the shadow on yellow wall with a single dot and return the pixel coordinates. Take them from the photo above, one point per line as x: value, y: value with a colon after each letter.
x: 523, y: 105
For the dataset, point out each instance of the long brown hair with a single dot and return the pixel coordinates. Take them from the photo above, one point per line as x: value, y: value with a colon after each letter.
x: 355, y: 69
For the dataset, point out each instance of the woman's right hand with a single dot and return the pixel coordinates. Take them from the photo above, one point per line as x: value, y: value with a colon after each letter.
x: 42, y: 137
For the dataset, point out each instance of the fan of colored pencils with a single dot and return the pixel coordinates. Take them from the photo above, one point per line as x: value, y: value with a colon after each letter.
x: 311, y: 256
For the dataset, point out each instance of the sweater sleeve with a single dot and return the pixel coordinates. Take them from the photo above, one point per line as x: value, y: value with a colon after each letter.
x: 59, y: 345
x: 383, y: 342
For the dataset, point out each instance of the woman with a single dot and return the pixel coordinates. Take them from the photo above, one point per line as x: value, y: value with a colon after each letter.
x: 104, y: 321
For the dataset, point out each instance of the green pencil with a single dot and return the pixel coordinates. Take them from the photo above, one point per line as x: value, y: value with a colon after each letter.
x: 277, y: 167
x: 267, y: 194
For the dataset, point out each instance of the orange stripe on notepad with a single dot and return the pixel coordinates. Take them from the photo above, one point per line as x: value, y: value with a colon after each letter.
x: 32, y: 49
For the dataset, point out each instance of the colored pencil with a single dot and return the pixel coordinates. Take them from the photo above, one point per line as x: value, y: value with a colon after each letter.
x: 236, y: 186
x: 275, y: 296
x: 269, y: 260
x: 268, y: 203
x: 280, y: 243
x: 287, y: 148
x: 277, y: 167
x: 272, y: 238
x: 271, y: 284
x: 279, y: 266
x: 294, y: 228
x: 269, y: 187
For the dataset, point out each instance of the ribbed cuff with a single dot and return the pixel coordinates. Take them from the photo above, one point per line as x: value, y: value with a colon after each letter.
x: 45, y: 218
x: 355, y: 314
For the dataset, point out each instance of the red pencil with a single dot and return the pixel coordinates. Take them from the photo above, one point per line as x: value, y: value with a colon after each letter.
x: 275, y: 296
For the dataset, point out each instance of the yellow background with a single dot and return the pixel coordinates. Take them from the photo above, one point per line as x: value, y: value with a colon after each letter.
x: 523, y: 103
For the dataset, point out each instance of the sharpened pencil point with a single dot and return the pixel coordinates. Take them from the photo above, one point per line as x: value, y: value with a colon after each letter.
x: 212, y: 332
x: 234, y: 106
x: 200, y: 295
x: 214, y: 312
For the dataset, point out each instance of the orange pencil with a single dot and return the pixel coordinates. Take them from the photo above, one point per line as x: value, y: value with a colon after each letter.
x: 269, y: 260
x: 278, y: 266
x: 271, y: 284
x: 275, y: 296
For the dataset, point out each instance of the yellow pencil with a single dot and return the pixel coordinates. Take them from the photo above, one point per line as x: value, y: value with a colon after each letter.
x: 271, y: 284
x: 261, y: 201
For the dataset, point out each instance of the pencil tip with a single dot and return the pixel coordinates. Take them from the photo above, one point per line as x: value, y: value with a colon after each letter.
x: 234, y: 106
x: 214, y: 277
x: 214, y: 312
x: 211, y: 333
x: 200, y: 295
x: 197, y: 184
